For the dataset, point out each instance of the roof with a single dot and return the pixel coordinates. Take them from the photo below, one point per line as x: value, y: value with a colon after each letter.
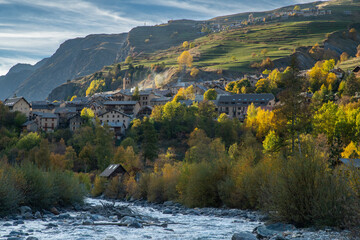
x: 240, y: 99
x: 161, y: 99
x: 43, y: 105
x: 12, y: 101
x: 120, y: 102
x: 351, y: 162
x: 65, y: 110
x: 48, y: 115
x: 114, y: 111
x: 187, y: 102
x: 111, y: 169
x: 29, y: 122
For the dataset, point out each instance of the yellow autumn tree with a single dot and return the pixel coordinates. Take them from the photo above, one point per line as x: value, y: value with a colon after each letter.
x: 194, y: 72
x: 344, y: 56
x: 185, y: 44
x: 185, y: 60
x: 351, y: 151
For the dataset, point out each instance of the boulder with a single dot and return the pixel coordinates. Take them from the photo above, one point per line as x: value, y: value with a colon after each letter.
x: 268, y: 231
x: 167, y: 211
x: 110, y: 238
x: 32, y: 238
x: 28, y: 215
x: 25, y: 209
x: 88, y: 222
x: 18, y: 222
x: 243, y: 236
x: 54, y: 211
x: 37, y: 215
x: 64, y: 216
x: 135, y: 224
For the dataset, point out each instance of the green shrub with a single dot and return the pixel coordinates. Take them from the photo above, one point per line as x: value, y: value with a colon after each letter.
x: 198, y: 185
x: 38, y: 191
x: 66, y: 188
x: 306, y: 192
x: 115, y: 189
x: 99, y: 186
x: 155, y: 191
x: 10, y: 196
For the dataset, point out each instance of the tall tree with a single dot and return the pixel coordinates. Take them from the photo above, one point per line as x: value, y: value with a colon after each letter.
x: 150, y: 140
x: 293, y: 108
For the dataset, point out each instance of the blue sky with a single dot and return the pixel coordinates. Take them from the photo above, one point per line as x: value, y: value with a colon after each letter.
x: 33, y: 29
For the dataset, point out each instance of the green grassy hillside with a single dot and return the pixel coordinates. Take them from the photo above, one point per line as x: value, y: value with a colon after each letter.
x: 349, y: 64
x: 234, y: 50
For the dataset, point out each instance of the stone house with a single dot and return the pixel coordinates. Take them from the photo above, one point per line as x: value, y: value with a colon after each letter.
x: 116, y: 120
x: 47, y: 122
x: 235, y: 106
x: 75, y: 122
x: 159, y: 101
x: 127, y: 107
x: 44, y: 106
x: 18, y: 104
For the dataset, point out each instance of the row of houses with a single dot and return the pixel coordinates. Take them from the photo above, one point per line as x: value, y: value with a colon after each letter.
x: 118, y: 108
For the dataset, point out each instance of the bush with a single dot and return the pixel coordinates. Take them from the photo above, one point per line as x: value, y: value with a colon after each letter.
x: 67, y: 188
x: 10, y: 196
x: 99, y: 186
x: 198, y: 185
x: 39, y: 189
x: 155, y: 191
x: 115, y: 189
x: 306, y: 192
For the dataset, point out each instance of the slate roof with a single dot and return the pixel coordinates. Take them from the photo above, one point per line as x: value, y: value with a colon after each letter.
x: 351, y: 162
x: 245, y: 99
x: 62, y: 110
x: 161, y: 99
x: 12, y: 101
x: 120, y: 102
x: 111, y: 169
x: 43, y: 105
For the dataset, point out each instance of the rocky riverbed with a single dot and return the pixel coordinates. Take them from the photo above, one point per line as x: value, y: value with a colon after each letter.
x: 100, y: 219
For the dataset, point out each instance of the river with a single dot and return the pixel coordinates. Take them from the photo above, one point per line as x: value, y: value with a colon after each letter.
x: 190, y: 226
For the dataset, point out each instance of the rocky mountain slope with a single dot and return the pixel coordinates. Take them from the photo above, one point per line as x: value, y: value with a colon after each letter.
x: 16, y: 76
x: 74, y: 58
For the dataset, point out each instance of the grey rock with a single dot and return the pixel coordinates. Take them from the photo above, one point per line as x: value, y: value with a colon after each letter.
x: 18, y: 222
x: 277, y: 237
x: 28, y: 215
x: 88, y: 222
x: 168, y: 203
x: 110, y: 238
x: 24, y: 209
x: 113, y: 218
x: 273, y: 229
x: 32, y: 238
x: 14, y: 238
x: 37, y: 215
x: 167, y: 211
x: 135, y: 225
x: 243, y: 236
x: 7, y: 225
x: 51, y: 225
x: 128, y: 220
x: 64, y: 216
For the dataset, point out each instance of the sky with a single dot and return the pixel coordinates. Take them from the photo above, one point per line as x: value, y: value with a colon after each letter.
x: 31, y: 30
